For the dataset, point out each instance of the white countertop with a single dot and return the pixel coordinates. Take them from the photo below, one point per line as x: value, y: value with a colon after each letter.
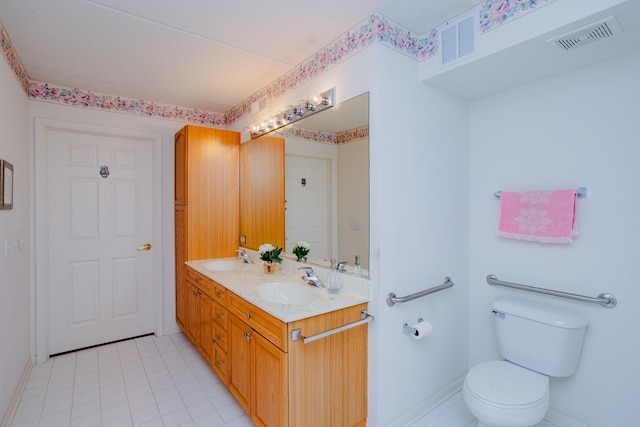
x: 245, y: 282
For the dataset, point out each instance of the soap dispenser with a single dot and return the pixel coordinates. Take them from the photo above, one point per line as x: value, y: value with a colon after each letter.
x: 334, y: 285
x: 357, y: 269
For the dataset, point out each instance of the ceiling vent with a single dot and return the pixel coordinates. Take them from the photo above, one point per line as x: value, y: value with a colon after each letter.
x: 259, y: 105
x: 459, y: 38
x: 588, y: 34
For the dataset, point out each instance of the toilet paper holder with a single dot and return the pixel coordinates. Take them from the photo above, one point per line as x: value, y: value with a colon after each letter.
x: 408, y: 330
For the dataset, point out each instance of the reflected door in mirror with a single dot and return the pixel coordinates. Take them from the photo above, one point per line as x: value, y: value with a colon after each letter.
x: 309, y: 203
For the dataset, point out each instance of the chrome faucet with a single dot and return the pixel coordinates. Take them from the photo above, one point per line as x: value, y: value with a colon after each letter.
x: 242, y: 254
x: 311, y: 278
x: 342, y: 265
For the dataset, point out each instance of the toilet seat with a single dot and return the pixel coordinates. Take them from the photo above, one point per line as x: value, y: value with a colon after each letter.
x: 503, y: 384
x: 506, y: 395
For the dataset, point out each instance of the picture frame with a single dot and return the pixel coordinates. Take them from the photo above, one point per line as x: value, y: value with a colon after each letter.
x: 6, y: 185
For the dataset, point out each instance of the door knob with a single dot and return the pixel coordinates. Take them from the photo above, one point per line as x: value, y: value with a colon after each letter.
x: 145, y: 247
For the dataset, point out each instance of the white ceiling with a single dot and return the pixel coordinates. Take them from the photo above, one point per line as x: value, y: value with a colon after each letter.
x: 207, y: 54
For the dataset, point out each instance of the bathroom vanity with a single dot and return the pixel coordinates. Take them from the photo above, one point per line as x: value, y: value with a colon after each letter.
x: 254, y: 340
x: 290, y: 353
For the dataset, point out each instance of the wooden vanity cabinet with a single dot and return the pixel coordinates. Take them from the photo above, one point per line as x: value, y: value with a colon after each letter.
x: 278, y: 380
x: 284, y: 382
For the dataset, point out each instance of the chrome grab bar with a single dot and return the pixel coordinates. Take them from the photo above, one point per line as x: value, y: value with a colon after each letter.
x: 296, y: 334
x: 392, y: 299
x: 604, y: 299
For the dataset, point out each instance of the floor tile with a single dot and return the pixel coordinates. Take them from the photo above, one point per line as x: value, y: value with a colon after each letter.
x: 149, y: 381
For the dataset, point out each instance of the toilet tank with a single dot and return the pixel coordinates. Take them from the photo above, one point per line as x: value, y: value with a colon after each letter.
x: 544, y: 339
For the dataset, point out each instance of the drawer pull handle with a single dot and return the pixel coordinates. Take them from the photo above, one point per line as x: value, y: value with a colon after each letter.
x: 218, y: 293
x: 247, y: 336
x: 249, y: 315
x: 218, y: 362
x: 197, y: 279
x: 218, y: 315
x: 218, y: 336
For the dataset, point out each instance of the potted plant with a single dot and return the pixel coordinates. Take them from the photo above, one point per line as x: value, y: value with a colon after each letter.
x: 301, y: 250
x: 270, y: 256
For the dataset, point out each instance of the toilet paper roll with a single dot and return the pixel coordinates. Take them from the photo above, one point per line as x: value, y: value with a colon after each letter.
x: 422, y: 329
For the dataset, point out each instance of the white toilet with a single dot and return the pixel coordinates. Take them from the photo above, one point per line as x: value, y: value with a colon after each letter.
x: 537, y: 342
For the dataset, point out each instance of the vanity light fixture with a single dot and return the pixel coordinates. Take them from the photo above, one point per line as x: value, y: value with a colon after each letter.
x: 318, y: 103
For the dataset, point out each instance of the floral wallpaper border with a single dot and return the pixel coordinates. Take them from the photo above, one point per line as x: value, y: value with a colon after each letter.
x: 12, y: 58
x: 326, y: 137
x: 84, y: 98
x: 353, y: 135
x: 377, y: 28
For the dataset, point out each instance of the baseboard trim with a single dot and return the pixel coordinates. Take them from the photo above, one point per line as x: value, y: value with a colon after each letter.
x: 15, y: 401
x: 563, y: 420
x: 172, y: 330
x: 429, y: 404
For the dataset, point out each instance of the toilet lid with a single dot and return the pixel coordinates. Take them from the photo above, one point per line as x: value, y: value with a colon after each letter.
x: 507, y: 384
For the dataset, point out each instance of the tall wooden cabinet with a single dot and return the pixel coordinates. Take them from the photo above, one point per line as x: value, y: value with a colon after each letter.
x: 262, y: 195
x: 207, y: 194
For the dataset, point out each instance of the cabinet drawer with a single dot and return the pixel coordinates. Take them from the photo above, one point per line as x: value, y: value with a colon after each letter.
x: 204, y: 283
x: 219, y: 315
x: 220, y: 336
x: 219, y: 293
x: 219, y: 364
x: 262, y: 322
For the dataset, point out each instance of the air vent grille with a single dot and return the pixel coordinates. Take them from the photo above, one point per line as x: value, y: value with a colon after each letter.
x: 459, y: 39
x: 588, y: 34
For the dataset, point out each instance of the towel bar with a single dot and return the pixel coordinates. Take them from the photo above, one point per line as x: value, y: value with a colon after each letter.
x: 581, y: 192
x: 392, y: 299
x: 296, y: 334
x: 604, y: 299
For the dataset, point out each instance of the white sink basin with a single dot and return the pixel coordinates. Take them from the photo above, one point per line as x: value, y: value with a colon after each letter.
x: 224, y: 265
x: 287, y: 293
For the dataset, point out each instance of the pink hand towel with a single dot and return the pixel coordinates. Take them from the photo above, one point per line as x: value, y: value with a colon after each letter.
x: 539, y: 216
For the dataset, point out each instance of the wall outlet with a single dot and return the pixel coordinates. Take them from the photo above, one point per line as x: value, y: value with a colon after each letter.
x: 243, y: 240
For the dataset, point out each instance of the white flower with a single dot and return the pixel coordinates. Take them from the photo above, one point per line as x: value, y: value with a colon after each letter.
x: 302, y: 244
x: 267, y: 247
x: 533, y: 220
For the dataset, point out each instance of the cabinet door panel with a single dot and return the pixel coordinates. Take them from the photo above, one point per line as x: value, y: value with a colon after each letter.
x: 193, y: 316
x: 219, y: 364
x: 239, y: 361
x: 269, y: 402
x: 206, y: 326
x: 181, y: 167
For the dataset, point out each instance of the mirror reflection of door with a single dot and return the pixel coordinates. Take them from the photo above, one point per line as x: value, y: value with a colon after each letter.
x: 308, y: 204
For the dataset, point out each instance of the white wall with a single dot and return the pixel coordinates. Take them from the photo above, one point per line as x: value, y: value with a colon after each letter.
x: 166, y: 129
x: 578, y: 129
x: 353, y: 200
x: 14, y: 269
x: 419, y: 225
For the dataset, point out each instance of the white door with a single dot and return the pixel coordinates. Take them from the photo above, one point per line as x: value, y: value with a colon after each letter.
x: 100, y: 273
x: 308, y: 204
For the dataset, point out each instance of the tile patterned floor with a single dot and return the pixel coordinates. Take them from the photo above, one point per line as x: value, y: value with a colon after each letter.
x: 454, y: 413
x: 154, y: 381
x: 148, y: 381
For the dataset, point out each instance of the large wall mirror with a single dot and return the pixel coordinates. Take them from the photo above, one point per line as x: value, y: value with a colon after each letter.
x: 326, y: 184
